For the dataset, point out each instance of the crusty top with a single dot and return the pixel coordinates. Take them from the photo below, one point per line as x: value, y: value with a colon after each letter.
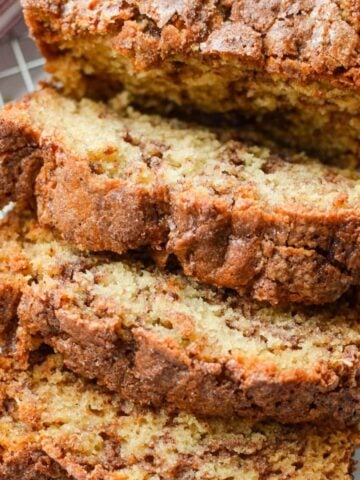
x: 305, y: 39
x: 284, y: 229
x: 161, y: 339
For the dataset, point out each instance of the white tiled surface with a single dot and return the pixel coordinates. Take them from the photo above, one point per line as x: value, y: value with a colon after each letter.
x: 20, y: 70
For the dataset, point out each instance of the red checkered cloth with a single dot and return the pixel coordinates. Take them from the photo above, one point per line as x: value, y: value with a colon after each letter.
x: 10, y: 13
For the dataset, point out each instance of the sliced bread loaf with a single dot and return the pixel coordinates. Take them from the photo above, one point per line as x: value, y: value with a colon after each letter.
x: 55, y: 426
x: 279, y: 228
x: 162, y: 339
x: 294, y: 66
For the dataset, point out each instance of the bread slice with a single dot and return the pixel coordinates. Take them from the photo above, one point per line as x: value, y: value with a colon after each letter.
x: 279, y: 228
x: 15, y: 273
x: 293, y: 66
x: 53, y: 425
x: 162, y: 339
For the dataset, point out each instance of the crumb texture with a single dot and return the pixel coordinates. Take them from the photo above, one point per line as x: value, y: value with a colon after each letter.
x: 56, y: 426
x: 280, y: 228
x: 294, y: 66
x: 163, y: 339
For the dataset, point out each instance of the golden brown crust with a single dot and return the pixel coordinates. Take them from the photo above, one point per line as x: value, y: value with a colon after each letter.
x: 292, y: 66
x: 153, y: 337
x: 132, y: 216
x: 287, y: 255
x: 143, y: 367
x: 302, y: 39
x: 275, y: 257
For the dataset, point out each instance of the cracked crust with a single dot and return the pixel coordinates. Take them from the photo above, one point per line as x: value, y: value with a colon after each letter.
x: 153, y: 366
x: 294, y: 66
x: 56, y: 426
x: 279, y: 37
x: 282, y: 229
x: 161, y: 339
x: 245, y: 250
